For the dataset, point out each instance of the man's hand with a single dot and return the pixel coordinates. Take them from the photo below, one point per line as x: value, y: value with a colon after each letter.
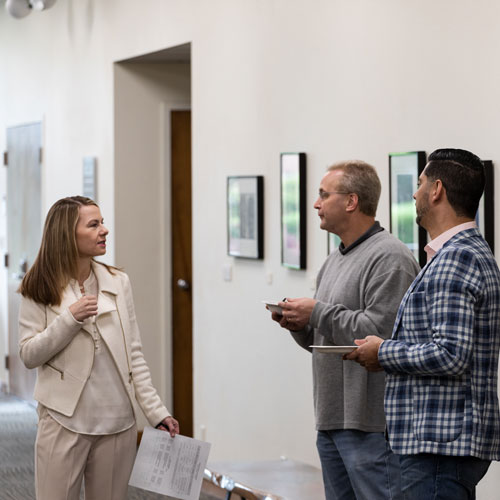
x: 367, y: 353
x: 296, y: 313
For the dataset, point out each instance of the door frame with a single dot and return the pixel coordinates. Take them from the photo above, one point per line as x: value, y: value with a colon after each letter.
x: 165, y: 243
x: 182, y: 268
x: 144, y: 93
x: 11, y: 302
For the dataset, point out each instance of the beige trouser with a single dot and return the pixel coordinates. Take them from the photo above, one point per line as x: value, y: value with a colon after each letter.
x: 63, y: 458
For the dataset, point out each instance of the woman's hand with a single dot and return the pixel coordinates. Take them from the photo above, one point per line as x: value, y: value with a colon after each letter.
x: 169, y: 424
x: 84, y: 308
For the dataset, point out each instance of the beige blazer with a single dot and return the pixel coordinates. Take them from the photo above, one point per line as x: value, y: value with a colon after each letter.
x: 62, y: 349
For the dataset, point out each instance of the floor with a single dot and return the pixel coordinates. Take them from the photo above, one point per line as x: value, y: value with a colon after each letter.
x: 17, y: 438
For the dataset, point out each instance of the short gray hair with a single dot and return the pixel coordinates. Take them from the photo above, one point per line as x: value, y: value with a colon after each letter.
x: 360, y: 178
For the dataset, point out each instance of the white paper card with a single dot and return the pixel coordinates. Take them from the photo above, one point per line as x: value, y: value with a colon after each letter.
x: 170, y: 466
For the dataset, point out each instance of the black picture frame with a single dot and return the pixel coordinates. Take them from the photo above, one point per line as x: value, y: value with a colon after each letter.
x: 485, y: 217
x: 404, y: 170
x: 332, y: 243
x: 293, y: 210
x: 245, y: 216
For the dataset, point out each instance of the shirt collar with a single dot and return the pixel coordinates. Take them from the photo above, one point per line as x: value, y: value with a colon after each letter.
x: 376, y: 228
x: 433, y: 247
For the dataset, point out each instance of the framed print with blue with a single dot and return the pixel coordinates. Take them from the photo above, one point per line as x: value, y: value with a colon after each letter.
x: 245, y: 216
x: 90, y: 177
x: 293, y: 210
x: 404, y: 169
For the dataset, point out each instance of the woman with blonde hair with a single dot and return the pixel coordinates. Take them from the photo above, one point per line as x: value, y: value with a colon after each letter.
x: 77, y: 326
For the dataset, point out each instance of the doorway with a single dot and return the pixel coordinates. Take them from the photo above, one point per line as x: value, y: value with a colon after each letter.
x: 182, y: 304
x: 24, y: 228
x: 152, y: 147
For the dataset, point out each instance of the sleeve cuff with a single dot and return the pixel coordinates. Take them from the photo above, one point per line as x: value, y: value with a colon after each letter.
x: 383, y: 349
x: 316, y: 314
x: 75, y: 321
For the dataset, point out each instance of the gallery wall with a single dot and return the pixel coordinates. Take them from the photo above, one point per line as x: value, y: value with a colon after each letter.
x: 334, y: 79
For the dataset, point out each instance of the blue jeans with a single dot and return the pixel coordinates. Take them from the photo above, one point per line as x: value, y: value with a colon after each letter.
x: 439, y: 477
x: 358, y: 465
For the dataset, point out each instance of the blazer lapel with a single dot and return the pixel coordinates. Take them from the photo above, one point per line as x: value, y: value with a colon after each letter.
x: 462, y: 235
x: 402, y: 306
x: 105, y: 299
x: 68, y: 298
x: 110, y: 326
x: 104, y: 278
x: 105, y: 303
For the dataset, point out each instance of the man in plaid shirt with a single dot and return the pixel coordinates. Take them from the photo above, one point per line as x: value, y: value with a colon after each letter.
x: 441, y: 399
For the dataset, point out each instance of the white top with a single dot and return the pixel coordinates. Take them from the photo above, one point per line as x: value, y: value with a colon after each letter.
x: 104, y: 406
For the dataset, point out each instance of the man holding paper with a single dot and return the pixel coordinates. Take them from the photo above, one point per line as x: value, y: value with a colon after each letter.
x: 443, y: 416
x: 359, y: 288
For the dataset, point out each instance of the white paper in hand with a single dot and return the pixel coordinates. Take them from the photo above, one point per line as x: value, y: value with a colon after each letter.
x: 170, y: 466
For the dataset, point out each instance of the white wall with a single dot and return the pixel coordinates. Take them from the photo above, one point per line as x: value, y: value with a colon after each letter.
x: 334, y: 78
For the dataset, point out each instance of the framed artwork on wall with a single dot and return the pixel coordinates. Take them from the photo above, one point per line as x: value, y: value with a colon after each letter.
x: 90, y: 177
x: 333, y: 242
x: 404, y: 169
x: 293, y: 210
x: 486, y: 212
x: 245, y: 216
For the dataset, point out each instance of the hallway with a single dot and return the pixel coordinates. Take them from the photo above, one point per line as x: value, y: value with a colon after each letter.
x: 17, y: 437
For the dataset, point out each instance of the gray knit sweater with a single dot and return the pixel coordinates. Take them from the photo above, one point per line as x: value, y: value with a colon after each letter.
x: 358, y: 294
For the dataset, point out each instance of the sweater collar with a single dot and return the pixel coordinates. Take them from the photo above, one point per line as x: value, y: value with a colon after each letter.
x: 376, y: 228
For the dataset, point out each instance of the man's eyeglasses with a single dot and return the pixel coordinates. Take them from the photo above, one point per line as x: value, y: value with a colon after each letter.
x: 323, y: 195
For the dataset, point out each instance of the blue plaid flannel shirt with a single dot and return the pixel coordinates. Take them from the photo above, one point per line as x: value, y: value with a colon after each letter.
x: 442, y: 361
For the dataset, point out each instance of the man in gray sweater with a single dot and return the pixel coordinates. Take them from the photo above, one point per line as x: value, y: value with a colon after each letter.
x: 359, y: 289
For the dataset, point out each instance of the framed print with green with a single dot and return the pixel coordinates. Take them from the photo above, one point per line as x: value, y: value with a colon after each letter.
x: 404, y: 169
x: 293, y: 210
x: 333, y: 242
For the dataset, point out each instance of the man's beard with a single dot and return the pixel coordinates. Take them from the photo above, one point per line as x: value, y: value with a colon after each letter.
x: 421, y: 213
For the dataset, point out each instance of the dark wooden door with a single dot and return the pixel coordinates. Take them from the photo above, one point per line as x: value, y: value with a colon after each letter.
x: 24, y: 227
x: 182, y: 343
